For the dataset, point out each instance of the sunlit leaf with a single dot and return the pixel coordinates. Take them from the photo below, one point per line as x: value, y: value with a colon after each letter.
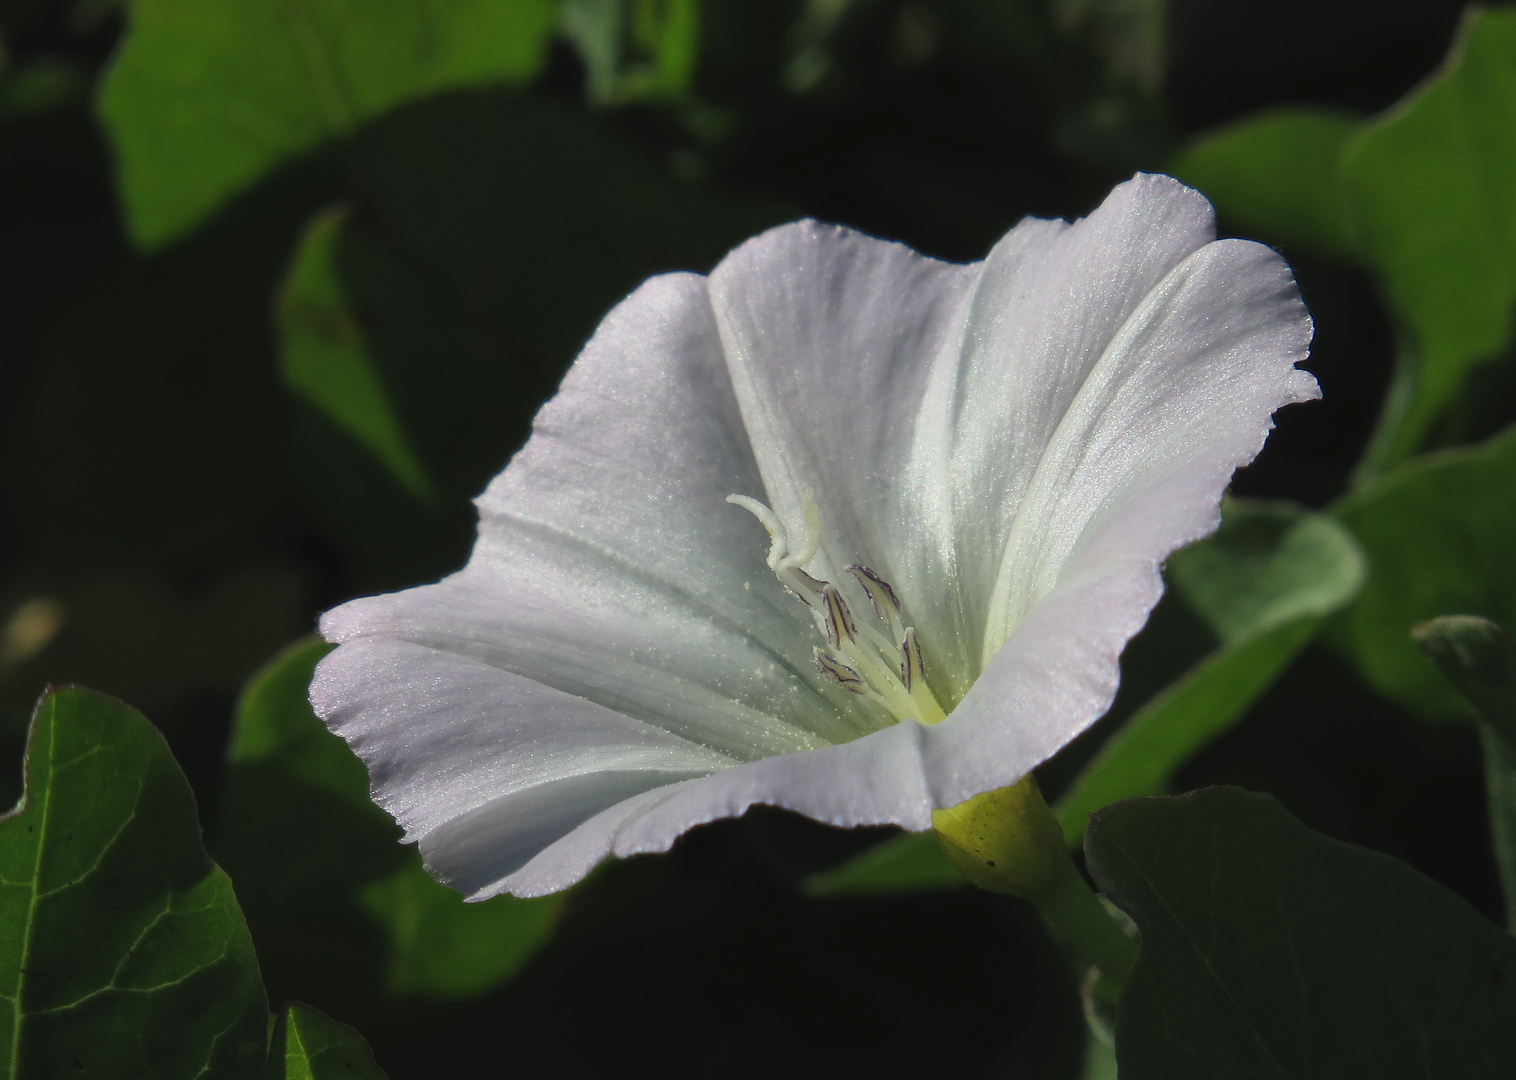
x: 1271, y: 950
x: 309, y: 1045
x: 1478, y: 657
x: 205, y: 98
x: 1439, y: 534
x: 1262, y: 583
x: 123, y: 951
x: 1275, y: 177
x: 325, y: 360
x: 330, y: 892
x: 1434, y: 187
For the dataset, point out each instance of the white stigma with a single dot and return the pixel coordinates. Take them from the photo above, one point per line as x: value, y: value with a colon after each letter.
x: 879, y: 663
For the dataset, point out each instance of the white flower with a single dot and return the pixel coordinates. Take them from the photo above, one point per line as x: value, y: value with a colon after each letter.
x: 974, y: 472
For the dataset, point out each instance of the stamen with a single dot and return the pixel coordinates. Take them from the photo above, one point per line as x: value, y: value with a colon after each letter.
x: 881, y: 594
x: 888, y: 671
x: 839, y: 672
x: 910, y: 658
x: 839, y: 620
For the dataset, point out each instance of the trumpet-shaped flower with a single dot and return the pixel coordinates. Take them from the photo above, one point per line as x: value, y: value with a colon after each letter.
x: 837, y: 528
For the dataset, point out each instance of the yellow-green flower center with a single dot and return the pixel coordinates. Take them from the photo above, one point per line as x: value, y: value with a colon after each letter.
x: 879, y: 663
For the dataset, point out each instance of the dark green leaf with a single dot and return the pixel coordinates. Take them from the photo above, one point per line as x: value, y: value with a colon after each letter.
x: 124, y: 952
x: 309, y: 1045
x: 1269, y: 950
x: 1478, y: 657
x: 1275, y: 176
x: 331, y: 893
x: 1263, y: 583
x: 913, y: 862
x: 1438, y: 534
x: 1434, y: 187
x: 325, y: 360
x: 1500, y: 792
x: 204, y: 99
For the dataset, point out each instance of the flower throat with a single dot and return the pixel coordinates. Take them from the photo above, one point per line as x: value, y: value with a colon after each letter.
x: 884, y: 668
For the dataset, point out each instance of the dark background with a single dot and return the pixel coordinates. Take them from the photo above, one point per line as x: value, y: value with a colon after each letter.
x: 188, y: 517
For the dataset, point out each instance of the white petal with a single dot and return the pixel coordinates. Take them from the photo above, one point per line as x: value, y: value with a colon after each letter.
x: 610, y: 566
x: 1017, y: 445
x: 508, y: 785
x: 483, y: 767
x: 1049, y: 301
x: 1182, y: 397
x: 874, y: 780
x: 827, y: 335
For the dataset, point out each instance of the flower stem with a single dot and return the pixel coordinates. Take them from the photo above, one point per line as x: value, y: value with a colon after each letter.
x: 1008, y: 841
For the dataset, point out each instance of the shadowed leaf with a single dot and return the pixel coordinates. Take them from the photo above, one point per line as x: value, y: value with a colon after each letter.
x: 332, y: 893
x: 1269, y: 950
x: 1478, y: 658
x: 1438, y: 534
x: 325, y: 359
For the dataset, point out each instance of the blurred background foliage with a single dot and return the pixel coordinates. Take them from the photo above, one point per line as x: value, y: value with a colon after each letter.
x: 284, y: 284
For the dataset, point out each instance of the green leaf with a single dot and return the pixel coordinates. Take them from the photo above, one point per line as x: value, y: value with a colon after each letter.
x: 1479, y: 658
x: 1500, y: 793
x: 324, y: 358
x: 634, y: 50
x: 123, y: 951
x: 444, y: 948
x: 340, y: 907
x: 204, y: 99
x: 309, y: 1045
x: 1276, y: 176
x: 1263, y: 583
x: 1438, y: 533
x: 913, y: 862
x: 1269, y: 950
x: 1434, y: 187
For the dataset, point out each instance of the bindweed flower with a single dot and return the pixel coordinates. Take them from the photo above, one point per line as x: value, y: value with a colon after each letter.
x: 838, y: 528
